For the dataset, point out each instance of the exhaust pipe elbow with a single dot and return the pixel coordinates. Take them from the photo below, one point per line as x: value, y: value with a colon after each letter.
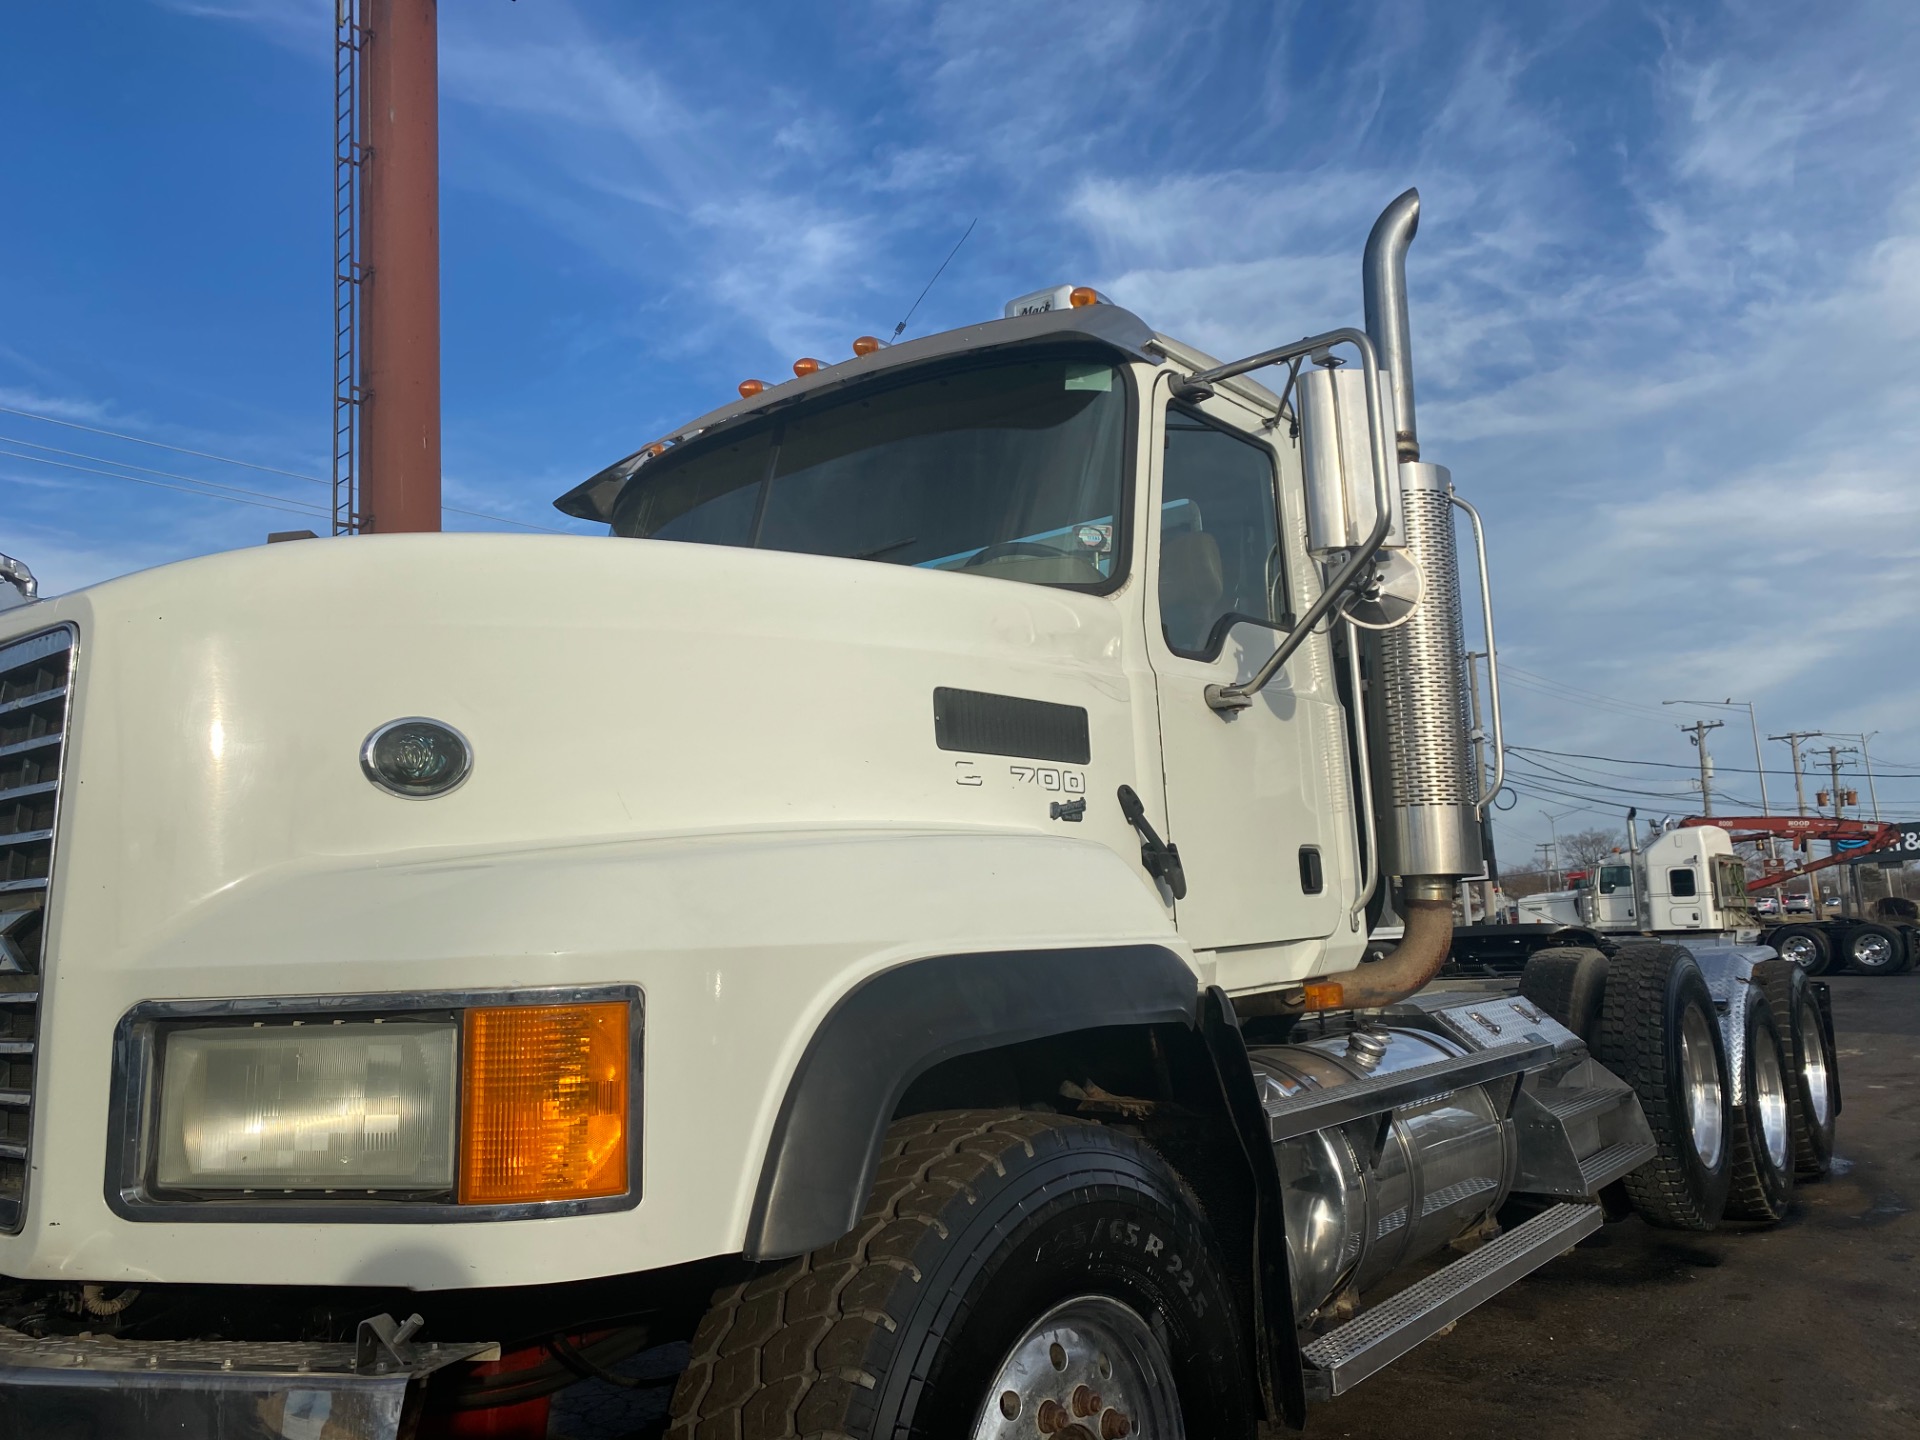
x: 1411, y: 967
x: 1422, y: 950
x: 1384, y: 272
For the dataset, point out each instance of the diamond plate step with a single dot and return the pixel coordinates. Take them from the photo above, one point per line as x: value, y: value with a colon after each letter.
x: 1603, y: 1167
x: 1342, y: 1358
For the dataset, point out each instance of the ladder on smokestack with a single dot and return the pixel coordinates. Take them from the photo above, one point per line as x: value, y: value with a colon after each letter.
x: 349, y: 36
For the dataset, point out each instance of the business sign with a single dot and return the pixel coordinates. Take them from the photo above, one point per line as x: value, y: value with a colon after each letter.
x: 1904, y: 849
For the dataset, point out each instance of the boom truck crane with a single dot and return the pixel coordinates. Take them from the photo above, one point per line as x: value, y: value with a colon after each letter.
x: 893, y: 912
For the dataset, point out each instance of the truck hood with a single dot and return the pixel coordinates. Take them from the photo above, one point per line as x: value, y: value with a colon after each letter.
x: 611, y: 689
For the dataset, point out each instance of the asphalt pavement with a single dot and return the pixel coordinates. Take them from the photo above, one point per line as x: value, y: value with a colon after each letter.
x: 1812, y: 1327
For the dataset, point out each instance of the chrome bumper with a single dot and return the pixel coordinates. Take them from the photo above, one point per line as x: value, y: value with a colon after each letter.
x: 95, y: 1386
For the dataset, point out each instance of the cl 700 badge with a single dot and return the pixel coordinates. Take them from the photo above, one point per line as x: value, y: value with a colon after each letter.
x: 1042, y: 777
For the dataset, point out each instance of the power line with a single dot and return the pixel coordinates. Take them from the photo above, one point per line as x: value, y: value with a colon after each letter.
x: 283, y: 502
x: 1674, y: 765
x: 161, y: 445
x: 129, y: 465
x: 290, y: 507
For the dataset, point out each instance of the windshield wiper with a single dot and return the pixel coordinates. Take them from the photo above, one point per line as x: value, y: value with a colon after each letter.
x: 880, y: 550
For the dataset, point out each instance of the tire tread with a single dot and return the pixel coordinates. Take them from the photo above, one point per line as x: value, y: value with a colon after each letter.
x: 795, y: 1353
x: 1631, y: 1042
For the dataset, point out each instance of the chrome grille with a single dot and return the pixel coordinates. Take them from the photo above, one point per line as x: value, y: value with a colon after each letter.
x: 35, y: 676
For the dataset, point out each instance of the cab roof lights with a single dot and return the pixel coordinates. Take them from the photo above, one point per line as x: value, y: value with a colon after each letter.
x: 1057, y: 297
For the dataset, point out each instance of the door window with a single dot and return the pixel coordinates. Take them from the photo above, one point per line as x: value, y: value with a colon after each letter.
x: 1219, y: 537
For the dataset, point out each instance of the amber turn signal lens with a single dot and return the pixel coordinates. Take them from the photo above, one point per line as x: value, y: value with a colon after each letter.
x: 543, y: 1103
x: 656, y: 448
x: 1083, y: 295
x: 806, y: 366
x: 866, y: 345
x: 751, y: 388
x: 1323, y: 994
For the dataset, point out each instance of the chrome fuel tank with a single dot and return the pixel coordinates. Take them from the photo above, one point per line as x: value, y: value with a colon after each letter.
x: 1368, y: 1196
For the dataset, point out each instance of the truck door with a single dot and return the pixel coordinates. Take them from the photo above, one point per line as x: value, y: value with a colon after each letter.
x: 1259, y: 801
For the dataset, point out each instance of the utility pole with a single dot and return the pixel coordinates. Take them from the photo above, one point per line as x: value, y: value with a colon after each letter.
x: 1698, y: 730
x: 399, y: 469
x: 1834, y: 752
x: 1866, y: 758
x: 1793, y: 739
x: 1771, y: 845
x: 1551, y: 855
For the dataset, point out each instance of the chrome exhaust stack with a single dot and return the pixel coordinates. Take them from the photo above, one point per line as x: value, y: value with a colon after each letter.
x: 1427, y: 792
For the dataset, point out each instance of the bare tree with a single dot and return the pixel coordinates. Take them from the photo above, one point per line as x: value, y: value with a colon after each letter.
x: 1584, y: 849
x: 1520, y: 881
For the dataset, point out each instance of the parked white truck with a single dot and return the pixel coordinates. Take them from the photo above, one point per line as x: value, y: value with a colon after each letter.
x: 1690, y: 882
x: 893, y: 914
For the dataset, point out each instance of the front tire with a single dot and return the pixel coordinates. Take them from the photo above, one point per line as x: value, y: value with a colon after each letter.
x: 989, y: 1235
x: 1658, y: 1031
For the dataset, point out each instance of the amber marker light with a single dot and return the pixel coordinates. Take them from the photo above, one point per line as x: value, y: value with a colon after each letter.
x: 656, y: 449
x: 806, y: 366
x: 751, y: 388
x: 1323, y: 994
x: 543, y: 1103
x: 1082, y: 295
x: 866, y: 345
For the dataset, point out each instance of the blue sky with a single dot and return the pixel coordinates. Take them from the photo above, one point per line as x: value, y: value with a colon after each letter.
x: 1666, y: 291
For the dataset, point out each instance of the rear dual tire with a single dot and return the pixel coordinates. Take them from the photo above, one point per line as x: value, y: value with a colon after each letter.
x: 1658, y: 1031
x: 1875, y: 950
x: 1813, y: 1090
x: 1762, y: 1142
x: 1805, y: 945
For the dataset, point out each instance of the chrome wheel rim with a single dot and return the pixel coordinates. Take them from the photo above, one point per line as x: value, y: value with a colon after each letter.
x: 1770, y: 1103
x: 1813, y: 1063
x: 1800, y: 949
x: 1872, y: 951
x: 1700, y: 1074
x: 1092, y: 1363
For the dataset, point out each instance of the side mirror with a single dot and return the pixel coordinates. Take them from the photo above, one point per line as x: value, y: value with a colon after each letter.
x: 1337, y: 457
x: 15, y: 573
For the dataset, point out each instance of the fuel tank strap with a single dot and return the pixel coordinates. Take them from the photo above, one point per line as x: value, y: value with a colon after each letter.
x: 1309, y: 1110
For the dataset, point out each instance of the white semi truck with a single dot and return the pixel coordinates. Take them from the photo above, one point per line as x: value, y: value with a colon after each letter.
x: 1689, y: 882
x: 893, y: 914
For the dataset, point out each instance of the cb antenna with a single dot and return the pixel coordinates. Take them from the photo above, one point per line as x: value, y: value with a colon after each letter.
x: 901, y: 327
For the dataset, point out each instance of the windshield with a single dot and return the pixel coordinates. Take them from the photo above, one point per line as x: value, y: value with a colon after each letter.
x: 1013, y: 469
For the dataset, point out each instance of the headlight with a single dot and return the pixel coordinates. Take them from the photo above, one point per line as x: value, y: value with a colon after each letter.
x: 354, y: 1106
x: 439, y: 1104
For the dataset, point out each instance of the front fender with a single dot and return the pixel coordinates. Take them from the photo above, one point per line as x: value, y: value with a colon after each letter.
x: 743, y: 944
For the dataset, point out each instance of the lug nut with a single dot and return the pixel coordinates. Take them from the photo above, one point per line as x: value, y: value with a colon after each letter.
x: 1053, y: 1417
x: 1114, y: 1426
x: 1085, y: 1402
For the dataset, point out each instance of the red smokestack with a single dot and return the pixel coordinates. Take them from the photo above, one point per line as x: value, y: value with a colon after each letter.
x: 400, y: 326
